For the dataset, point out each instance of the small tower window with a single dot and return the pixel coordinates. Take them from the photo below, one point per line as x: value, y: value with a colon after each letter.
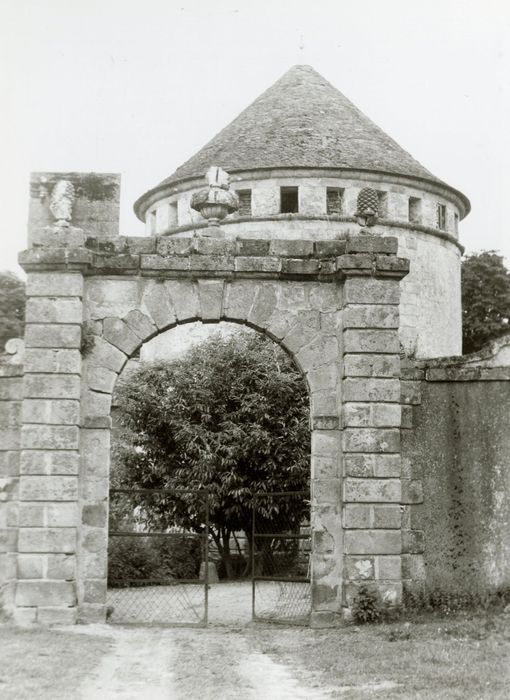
x: 382, y: 201
x: 244, y: 202
x: 335, y: 200
x: 414, y: 214
x: 172, y: 214
x: 456, y: 222
x: 289, y: 200
x: 441, y: 217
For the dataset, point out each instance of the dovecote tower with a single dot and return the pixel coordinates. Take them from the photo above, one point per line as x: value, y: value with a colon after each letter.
x: 298, y: 157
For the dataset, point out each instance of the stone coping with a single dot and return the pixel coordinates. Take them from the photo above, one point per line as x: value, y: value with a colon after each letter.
x: 217, y: 257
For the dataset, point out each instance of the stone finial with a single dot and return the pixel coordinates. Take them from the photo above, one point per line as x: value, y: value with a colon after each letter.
x: 15, y: 347
x: 61, y: 202
x: 217, y: 201
x: 367, y: 207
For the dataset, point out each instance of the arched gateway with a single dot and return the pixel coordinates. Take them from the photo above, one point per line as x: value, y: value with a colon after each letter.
x: 94, y: 299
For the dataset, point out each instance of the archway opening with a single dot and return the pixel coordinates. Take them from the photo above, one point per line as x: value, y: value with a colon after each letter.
x: 210, y: 479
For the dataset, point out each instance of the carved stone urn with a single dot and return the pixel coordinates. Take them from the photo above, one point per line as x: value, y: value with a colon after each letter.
x: 215, y: 202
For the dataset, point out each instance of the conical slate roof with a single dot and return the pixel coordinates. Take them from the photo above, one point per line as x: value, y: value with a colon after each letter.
x: 302, y: 121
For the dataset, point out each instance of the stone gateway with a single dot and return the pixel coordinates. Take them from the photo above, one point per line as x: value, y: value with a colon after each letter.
x: 366, y: 314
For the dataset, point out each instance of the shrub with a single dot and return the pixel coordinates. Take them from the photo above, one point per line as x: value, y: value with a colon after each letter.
x: 367, y: 606
x: 133, y: 559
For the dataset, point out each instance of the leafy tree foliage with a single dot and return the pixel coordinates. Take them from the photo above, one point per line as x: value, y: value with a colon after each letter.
x: 485, y: 299
x: 12, y: 307
x: 231, y: 417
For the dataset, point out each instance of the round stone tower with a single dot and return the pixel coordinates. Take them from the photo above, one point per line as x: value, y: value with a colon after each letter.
x: 298, y: 157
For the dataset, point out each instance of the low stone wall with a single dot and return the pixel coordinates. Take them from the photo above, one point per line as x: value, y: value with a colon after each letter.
x: 456, y: 456
x: 11, y: 391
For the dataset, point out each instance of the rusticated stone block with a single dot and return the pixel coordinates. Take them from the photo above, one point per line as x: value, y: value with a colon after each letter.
x: 324, y: 297
x: 280, y: 323
x: 210, y: 294
x: 413, y: 567
x: 264, y: 304
x: 371, y: 365
x: 372, y: 244
x: 118, y: 333
x: 370, y: 316
x: 61, y: 412
x: 326, y: 377
x: 95, y: 515
x: 239, y: 298
x: 90, y: 614
x: 369, y: 290
x: 55, y: 284
x: 374, y: 516
x: 381, y: 390
x: 48, y: 488
x: 387, y: 517
x: 371, y: 490
x: 94, y: 591
x: 45, y: 593
x: 44, y: 310
x: 288, y: 248
x: 357, y: 517
x: 412, y: 491
x: 30, y: 566
x: 413, y: 541
x: 371, y: 440
x: 300, y: 266
x: 410, y: 392
x: 52, y: 361
x: 95, y: 453
x: 372, y: 542
x: 104, y: 354
x: 54, y: 539
x: 52, y: 386
x: 24, y: 615
x: 51, y: 335
x: 371, y: 341
x: 61, y: 462
x: 49, y: 437
x: 322, y: 350
x: 329, y: 249
x: 212, y: 263
x: 256, y: 265
x: 184, y: 297
x: 326, y: 491
x: 56, y: 615
x: 10, y: 388
x: 325, y: 467
x: 365, y: 415
x: 359, y: 568
x: 10, y: 438
x: 173, y: 246
x: 100, y: 378
x: 389, y: 567
x: 140, y: 324
x: 323, y: 403
x: 252, y: 246
x: 379, y: 465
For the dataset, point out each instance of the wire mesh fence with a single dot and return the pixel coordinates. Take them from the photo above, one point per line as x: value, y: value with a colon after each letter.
x: 157, y: 571
x: 281, y: 557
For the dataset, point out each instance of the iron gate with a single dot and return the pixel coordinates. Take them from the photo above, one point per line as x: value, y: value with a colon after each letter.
x: 157, y: 571
x: 280, y: 550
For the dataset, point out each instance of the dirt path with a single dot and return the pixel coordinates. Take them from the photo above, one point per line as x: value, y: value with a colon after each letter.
x: 218, y: 663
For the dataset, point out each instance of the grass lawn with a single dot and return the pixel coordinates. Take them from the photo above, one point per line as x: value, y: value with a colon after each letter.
x: 466, y: 656
x: 42, y: 663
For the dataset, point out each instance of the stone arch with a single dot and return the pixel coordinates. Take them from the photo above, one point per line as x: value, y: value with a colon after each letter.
x: 302, y: 319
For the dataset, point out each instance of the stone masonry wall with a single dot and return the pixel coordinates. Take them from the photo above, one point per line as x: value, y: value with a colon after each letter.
x: 456, y: 475
x: 11, y: 381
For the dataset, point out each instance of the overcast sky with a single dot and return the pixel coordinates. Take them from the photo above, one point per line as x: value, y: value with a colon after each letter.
x: 138, y: 87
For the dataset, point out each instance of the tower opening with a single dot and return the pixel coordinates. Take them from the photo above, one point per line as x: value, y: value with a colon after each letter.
x: 289, y: 201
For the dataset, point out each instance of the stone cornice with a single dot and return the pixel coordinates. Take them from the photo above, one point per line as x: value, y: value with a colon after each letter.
x: 165, y: 257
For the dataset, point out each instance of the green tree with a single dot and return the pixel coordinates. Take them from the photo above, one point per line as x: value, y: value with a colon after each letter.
x: 485, y: 299
x: 231, y: 416
x: 12, y: 307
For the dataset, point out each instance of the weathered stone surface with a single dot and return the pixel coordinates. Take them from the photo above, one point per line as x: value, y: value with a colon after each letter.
x: 48, y: 488
x: 57, y: 411
x: 370, y: 316
x: 95, y: 515
x: 410, y: 392
x: 372, y: 542
x: 94, y: 591
x: 95, y: 453
x: 371, y: 490
x: 371, y: 365
x: 325, y: 467
x: 359, y: 568
x: 55, y: 539
x: 291, y: 248
x: 56, y: 615
x: 62, y: 462
x: 413, y: 541
x: 210, y: 293
x: 389, y: 567
x: 369, y: 290
x: 100, y: 378
x: 371, y: 341
x: 325, y: 377
x: 52, y: 361
x: 119, y: 334
x: 49, y: 437
x: 46, y: 310
x: 358, y: 517
x: 323, y: 403
x: 322, y: 350
x: 264, y: 305
x: 325, y: 443
x: 156, y: 301
x: 413, y: 567
x: 412, y: 491
x: 256, y: 265
x: 104, y: 354
x: 381, y: 390
x: 30, y: 566
x: 379, y: 415
x: 51, y: 335
x: 45, y: 593
x: 52, y: 386
x: 55, y: 284
x: 371, y: 440
x: 372, y: 244
x: 140, y: 324
x: 184, y: 297
x: 239, y: 298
